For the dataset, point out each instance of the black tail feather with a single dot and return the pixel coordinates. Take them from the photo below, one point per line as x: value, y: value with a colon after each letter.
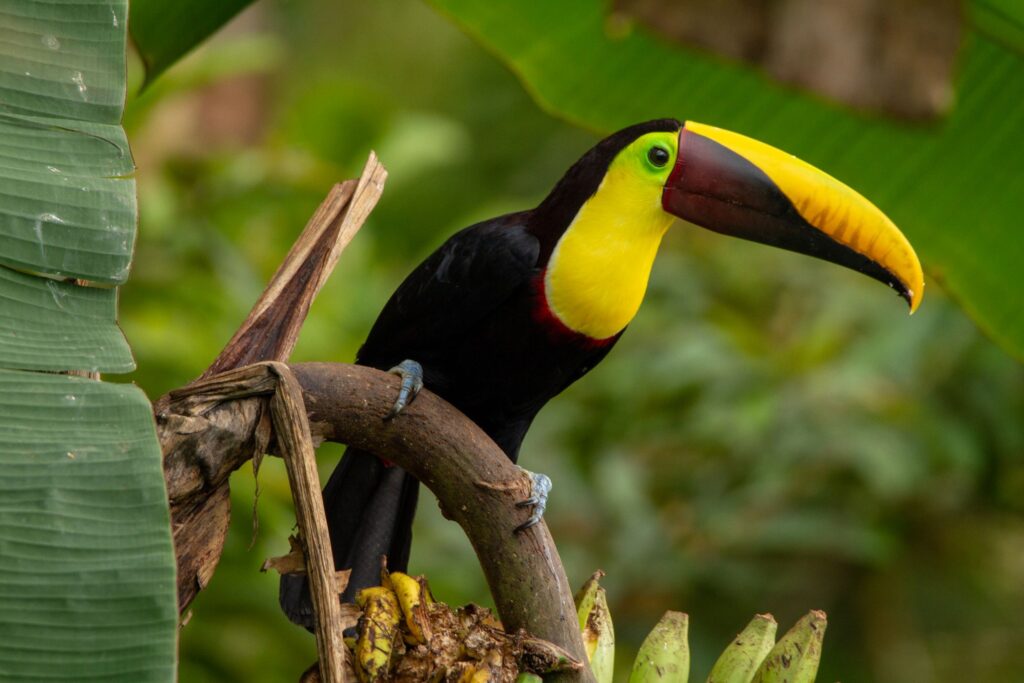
x: 370, y: 508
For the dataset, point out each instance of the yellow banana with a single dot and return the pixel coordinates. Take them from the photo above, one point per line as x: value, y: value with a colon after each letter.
x: 664, y: 655
x: 739, y: 662
x: 413, y: 598
x: 475, y: 674
x: 597, y: 629
x: 794, y: 659
x: 377, y: 632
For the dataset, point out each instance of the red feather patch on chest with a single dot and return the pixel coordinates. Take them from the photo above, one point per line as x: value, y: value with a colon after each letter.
x: 559, y: 331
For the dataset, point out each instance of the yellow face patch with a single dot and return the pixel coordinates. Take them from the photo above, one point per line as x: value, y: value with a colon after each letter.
x: 598, y: 271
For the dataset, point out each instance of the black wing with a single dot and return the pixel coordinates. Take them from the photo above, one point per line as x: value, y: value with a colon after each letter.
x: 467, y: 278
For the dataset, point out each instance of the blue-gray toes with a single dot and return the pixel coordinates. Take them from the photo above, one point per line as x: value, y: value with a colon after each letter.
x: 411, y: 373
x: 540, y: 487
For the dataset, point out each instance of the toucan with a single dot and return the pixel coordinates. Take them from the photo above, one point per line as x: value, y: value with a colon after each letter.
x: 509, y: 312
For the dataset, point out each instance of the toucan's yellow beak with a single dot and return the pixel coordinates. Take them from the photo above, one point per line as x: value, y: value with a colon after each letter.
x: 738, y: 186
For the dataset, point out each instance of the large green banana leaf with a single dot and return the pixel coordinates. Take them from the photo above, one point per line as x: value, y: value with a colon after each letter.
x: 164, y: 31
x: 67, y: 205
x: 87, y: 589
x: 1002, y: 20
x: 67, y: 209
x: 956, y: 188
x: 86, y: 568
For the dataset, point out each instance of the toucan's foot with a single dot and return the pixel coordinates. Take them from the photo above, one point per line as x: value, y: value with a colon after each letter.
x: 540, y: 487
x: 411, y: 373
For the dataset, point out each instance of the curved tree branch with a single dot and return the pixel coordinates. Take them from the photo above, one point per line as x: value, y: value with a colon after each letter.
x: 474, y: 481
x: 212, y: 427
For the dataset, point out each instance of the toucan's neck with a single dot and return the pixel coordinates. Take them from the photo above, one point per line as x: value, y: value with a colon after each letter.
x: 551, y: 218
x: 599, y: 230
x: 597, y: 272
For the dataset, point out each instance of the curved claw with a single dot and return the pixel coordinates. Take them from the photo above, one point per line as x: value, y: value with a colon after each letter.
x: 411, y: 373
x: 540, y: 487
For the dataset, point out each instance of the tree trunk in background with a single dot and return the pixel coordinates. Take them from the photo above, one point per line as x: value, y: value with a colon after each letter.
x: 890, y: 56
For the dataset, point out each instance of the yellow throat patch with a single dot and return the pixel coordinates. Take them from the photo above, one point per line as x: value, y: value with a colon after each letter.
x: 597, y: 275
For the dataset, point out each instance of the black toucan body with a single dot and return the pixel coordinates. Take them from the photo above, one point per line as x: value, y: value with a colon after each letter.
x: 509, y: 312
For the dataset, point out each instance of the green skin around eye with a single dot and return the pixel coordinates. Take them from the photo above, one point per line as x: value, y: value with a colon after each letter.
x: 642, y: 150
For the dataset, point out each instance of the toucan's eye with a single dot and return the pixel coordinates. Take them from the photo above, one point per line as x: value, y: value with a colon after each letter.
x: 658, y: 156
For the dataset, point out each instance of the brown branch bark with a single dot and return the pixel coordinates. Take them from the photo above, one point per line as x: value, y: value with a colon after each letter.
x: 203, y: 443
x: 272, y: 328
x: 239, y: 398
x: 291, y: 429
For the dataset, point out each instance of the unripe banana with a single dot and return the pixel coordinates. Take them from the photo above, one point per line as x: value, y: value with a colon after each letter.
x: 597, y: 629
x: 413, y: 599
x: 794, y: 659
x: 664, y: 655
x: 527, y: 677
x: 377, y: 631
x: 739, y: 661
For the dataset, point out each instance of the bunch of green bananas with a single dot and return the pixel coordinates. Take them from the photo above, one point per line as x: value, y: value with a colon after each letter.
x: 403, y: 634
x: 752, y: 657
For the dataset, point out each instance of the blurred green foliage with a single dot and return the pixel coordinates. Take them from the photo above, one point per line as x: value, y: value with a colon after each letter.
x: 164, y: 31
x: 772, y: 434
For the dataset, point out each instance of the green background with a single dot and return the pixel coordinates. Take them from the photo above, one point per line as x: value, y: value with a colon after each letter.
x: 772, y: 434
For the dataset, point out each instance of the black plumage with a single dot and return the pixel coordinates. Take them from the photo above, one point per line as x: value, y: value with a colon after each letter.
x: 474, y: 315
